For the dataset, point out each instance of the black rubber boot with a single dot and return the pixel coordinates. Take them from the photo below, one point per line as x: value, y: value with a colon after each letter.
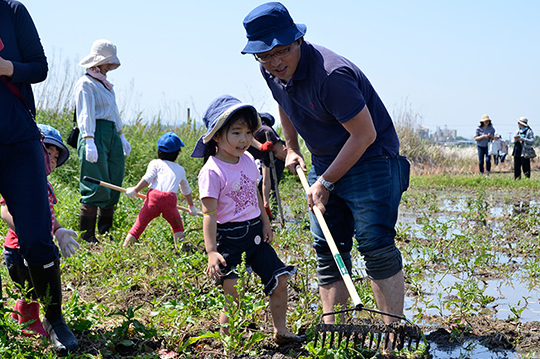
x: 48, y: 287
x: 88, y: 223
x: 105, y: 219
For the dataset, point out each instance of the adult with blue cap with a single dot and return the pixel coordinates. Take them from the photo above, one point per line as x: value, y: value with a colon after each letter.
x: 23, y: 177
x: 164, y: 177
x: 357, y: 176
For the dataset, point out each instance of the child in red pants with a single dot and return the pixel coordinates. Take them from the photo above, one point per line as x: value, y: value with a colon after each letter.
x: 164, y: 178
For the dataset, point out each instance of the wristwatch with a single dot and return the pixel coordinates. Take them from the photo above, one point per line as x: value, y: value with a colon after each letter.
x: 327, y: 184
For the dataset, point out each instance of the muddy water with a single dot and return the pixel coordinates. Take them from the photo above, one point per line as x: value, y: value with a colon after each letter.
x: 515, y: 293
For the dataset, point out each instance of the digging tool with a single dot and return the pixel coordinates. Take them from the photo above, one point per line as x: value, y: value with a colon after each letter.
x: 123, y: 190
x: 366, y: 336
x: 276, y: 188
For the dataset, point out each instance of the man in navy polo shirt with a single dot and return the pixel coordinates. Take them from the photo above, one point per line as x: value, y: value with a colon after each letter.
x: 355, y: 175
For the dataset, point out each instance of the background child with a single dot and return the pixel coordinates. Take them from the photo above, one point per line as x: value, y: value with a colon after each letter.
x: 27, y: 308
x: 165, y: 177
x: 235, y: 221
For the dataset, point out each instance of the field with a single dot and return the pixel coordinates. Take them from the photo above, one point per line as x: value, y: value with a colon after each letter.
x: 470, y: 248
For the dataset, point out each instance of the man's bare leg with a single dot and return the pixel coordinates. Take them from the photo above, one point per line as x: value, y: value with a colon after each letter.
x: 333, y: 294
x: 390, y: 295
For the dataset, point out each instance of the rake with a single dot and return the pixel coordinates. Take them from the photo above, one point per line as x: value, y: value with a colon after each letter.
x: 365, y: 335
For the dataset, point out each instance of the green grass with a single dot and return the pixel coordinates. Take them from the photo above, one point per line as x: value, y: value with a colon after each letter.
x: 148, y: 300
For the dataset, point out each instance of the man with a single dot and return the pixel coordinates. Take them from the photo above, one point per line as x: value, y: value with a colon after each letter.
x: 23, y: 182
x: 355, y: 176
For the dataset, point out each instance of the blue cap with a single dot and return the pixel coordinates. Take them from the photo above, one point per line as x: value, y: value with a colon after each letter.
x: 169, y: 142
x: 268, y: 26
x: 53, y: 137
x: 218, y: 113
x: 267, y: 119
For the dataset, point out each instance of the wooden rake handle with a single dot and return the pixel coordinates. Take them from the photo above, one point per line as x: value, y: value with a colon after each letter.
x: 332, y: 244
x: 123, y: 190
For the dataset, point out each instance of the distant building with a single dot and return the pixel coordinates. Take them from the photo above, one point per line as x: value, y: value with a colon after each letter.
x: 444, y: 135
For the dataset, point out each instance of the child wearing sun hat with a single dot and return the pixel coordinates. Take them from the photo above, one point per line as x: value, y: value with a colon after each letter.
x: 164, y: 177
x: 235, y: 221
x: 27, y: 307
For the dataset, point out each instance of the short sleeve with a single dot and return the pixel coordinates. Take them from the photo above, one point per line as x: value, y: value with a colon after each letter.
x: 342, y: 95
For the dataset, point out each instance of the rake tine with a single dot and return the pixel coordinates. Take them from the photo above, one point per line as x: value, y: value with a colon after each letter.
x: 331, y: 339
x: 386, y: 340
x: 401, y: 340
x: 323, y: 341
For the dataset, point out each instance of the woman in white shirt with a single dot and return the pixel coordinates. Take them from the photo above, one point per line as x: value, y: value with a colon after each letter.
x: 101, y: 146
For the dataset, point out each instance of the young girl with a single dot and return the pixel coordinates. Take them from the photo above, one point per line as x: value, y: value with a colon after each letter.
x: 234, y: 218
x: 165, y: 177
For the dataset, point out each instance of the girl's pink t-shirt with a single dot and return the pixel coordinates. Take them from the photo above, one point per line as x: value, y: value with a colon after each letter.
x: 234, y: 186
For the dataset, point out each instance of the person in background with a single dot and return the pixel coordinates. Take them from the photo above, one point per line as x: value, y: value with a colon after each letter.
x: 259, y: 150
x: 102, y: 145
x: 26, y: 308
x: 495, y: 148
x: 484, y: 134
x: 524, y: 137
x: 234, y: 220
x: 164, y: 177
x: 23, y: 176
x: 357, y: 175
x: 504, y: 150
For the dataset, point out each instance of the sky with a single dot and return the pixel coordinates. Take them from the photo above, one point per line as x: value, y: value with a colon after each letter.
x: 445, y: 63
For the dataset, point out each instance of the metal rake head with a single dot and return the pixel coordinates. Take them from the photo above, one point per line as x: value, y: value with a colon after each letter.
x: 394, y: 336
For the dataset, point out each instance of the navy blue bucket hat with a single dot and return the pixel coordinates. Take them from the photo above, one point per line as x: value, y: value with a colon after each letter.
x: 218, y: 113
x: 268, y: 26
x: 169, y: 142
x: 267, y: 119
x: 53, y: 137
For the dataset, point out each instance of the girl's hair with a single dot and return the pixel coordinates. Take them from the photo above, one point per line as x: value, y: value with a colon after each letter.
x: 245, y: 115
x: 168, y: 156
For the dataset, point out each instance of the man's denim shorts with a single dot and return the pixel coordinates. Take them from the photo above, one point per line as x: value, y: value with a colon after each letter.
x: 364, y: 204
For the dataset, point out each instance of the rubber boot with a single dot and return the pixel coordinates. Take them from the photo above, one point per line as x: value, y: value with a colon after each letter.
x: 16, y: 310
x: 105, y: 219
x: 47, y: 284
x: 30, y: 312
x: 88, y: 223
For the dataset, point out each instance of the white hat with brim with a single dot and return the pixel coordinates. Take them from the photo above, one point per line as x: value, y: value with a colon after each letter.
x: 523, y: 121
x: 103, y: 52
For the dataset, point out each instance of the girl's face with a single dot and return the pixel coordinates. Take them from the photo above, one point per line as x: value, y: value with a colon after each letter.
x: 233, y: 143
x: 54, y: 154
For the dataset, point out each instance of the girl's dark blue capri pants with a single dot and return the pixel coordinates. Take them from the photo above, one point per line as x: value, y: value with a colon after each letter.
x: 234, y: 238
x: 364, y: 204
x: 23, y: 184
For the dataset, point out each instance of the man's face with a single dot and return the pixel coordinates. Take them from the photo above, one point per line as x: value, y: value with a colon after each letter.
x: 284, y: 66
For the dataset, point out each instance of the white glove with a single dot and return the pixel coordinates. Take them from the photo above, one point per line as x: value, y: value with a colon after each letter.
x: 130, y: 192
x: 193, y: 211
x: 91, y: 151
x: 125, y: 145
x: 65, y: 238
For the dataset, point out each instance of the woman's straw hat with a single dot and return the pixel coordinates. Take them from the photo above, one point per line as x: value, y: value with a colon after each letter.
x: 102, y: 52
